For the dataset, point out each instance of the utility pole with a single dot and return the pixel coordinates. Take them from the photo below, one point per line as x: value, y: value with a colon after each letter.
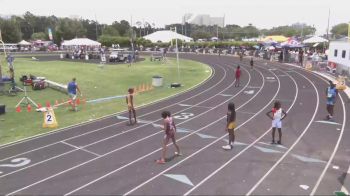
x: 96, y: 27
x: 329, y: 15
x: 177, y: 57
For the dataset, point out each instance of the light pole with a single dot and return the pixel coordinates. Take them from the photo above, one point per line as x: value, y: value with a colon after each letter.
x: 3, y: 46
x: 177, y: 58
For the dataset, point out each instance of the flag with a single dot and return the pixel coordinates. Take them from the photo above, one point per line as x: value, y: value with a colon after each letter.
x: 50, y: 33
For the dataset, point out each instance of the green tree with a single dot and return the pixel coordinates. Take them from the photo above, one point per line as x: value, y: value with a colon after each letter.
x: 340, y: 29
x: 10, y: 31
x: 39, y: 35
x: 110, y: 31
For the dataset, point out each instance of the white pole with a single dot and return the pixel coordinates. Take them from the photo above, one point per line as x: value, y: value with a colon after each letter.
x: 177, y: 60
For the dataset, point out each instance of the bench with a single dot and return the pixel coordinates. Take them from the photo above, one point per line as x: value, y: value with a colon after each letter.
x: 57, y: 86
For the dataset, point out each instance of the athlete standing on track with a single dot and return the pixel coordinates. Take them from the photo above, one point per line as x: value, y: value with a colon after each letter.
x: 238, y: 76
x: 170, y: 130
x: 251, y: 63
x: 231, y: 125
x: 278, y: 114
x: 130, y: 102
x: 331, y: 93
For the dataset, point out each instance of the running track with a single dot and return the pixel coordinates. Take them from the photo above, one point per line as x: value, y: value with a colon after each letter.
x: 108, y: 157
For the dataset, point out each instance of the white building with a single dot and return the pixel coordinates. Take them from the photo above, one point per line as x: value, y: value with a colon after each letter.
x: 206, y: 20
x: 339, y: 57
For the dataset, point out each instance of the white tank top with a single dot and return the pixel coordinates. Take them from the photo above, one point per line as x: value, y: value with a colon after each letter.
x: 278, y: 114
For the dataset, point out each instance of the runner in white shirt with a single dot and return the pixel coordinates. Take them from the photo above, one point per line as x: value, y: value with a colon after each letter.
x: 278, y: 114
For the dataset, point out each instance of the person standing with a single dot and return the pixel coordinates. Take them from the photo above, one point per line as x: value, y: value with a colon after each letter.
x: 130, y: 103
x: 278, y: 114
x: 72, y: 92
x: 251, y: 63
x: 238, y: 76
x: 331, y: 93
x: 170, y: 130
x: 230, y: 125
x: 129, y: 60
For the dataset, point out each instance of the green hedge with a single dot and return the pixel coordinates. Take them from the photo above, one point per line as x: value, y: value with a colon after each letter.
x: 125, y: 42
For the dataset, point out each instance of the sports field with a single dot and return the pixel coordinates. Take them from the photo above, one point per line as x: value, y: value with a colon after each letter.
x: 95, y: 82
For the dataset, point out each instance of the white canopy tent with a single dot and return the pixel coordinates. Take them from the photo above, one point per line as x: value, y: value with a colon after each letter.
x: 24, y: 43
x: 81, y: 42
x: 315, y: 39
x: 166, y: 36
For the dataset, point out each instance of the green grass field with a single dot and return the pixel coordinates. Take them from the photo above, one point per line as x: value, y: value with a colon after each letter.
x: 94, y: 82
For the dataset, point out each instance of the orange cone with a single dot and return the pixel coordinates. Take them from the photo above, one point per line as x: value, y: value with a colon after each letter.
x: 143, y: 87
x: 18, y: 109
x: 140, y: 88
x: 29, y: 108
x: 39, y: 106
x: 48, y: 105
x: 56, y: 103
x: 77, y: 101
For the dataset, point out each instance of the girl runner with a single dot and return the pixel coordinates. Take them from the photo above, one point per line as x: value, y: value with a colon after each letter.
x: 238, y: 76
x: 278, y: 114
x: 170, y: 130
x: 231, y: 125
x: 130, y: 102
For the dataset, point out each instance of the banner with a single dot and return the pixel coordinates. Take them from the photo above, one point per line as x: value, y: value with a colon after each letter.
x: 50, y: 33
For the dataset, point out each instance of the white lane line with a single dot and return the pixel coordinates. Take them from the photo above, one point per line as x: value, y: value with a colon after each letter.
x: 205, y: 147
x: 243, y: 112
x: 246, y: 148
x: 80, y: 148
x: 120, y: 168
x: 334, y: 151
x: 57, y: 156
x: 294, y: 144
x: 196, y: 106
x: 327, y: 122
x: 226, y: 95
x: 254, y: 87
x: 68, y: 128
x: 105, y: 127
x: 127, y: 145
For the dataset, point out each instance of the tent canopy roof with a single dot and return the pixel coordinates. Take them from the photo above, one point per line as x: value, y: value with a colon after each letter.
x: 81, y: 42
x: 276, y: 38
x: 166, y: 36
x: 315, y: 39
x: 24, y: 42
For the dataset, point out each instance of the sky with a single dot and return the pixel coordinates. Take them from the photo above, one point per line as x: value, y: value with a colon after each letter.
x: 261, y: 13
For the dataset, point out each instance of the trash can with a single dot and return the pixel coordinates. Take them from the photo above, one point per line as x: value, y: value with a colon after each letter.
x: 157, y: 81
x: 61, y: 56
x: 86, y: 57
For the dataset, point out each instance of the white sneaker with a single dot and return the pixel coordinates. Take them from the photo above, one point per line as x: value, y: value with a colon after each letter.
x: 227, y: 147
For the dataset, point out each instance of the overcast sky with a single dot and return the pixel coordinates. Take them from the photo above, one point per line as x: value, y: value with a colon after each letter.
x: 261, y: 13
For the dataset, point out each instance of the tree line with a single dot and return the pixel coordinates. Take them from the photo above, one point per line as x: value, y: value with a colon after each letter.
x: 32, y: 27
